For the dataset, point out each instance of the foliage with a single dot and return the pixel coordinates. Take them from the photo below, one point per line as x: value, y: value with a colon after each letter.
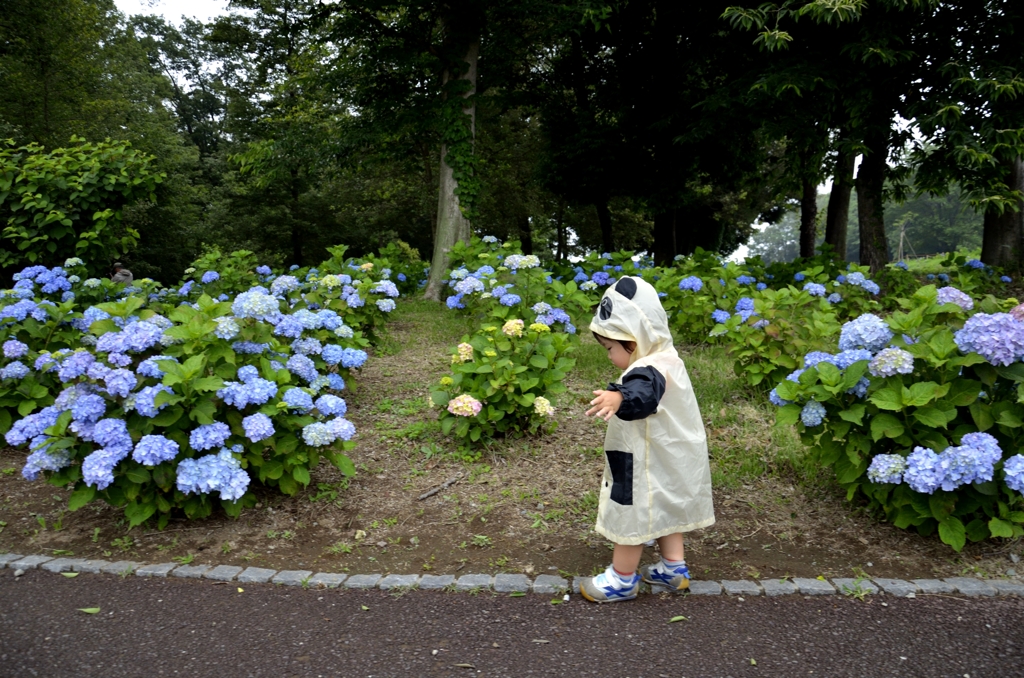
x: 129, y: 399
x: 68, y: 202
x: 900, y: 424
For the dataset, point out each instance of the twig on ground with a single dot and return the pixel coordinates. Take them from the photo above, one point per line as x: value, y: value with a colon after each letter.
x: 445, y: 485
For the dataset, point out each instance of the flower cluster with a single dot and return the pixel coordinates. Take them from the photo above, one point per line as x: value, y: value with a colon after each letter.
x: 464, y: 405
x: 890, y: 361
x: 997, y: 337
x: 867, y: 331
x: 973, y: 461
x: 951, y: 295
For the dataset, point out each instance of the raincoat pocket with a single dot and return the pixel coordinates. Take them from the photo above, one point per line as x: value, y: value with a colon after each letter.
x: 621, y: 466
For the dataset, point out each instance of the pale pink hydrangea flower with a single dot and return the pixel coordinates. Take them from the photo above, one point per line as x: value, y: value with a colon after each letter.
x: 542, y: 406
x: 464, y: 405
x: 465, y: 353
x: 513, y: 328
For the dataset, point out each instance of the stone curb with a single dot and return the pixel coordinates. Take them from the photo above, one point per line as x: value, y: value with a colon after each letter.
x: 518, y: 583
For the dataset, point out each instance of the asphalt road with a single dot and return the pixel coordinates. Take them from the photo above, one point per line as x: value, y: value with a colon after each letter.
x: 172, y: 627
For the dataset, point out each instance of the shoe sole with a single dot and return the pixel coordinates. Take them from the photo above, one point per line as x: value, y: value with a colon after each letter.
x: 685, y: 585
x: 583, y: 593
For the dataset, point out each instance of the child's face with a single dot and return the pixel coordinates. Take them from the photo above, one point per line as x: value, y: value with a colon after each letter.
x: 616, y: 353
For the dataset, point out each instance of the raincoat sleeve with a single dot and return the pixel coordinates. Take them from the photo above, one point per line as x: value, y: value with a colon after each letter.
x: 641, y: 389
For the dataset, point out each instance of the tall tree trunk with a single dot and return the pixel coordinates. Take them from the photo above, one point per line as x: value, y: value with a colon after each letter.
x: 296, y: 224
x: 874, y: 251
x: 525, y: 234
x: 562, y: 245
x: 1002, y: 240
x: 428, y: 176
x: 604, y: 217
x: 664, y: 238
x: 452, y: 225
x: 699, y: 228
x: 808, y: 217
x: 837, y: 217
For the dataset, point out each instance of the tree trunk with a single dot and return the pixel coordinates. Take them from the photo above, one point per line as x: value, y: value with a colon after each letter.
x: 838, y: 216
x: 296, y: 224
x: 1001, y: 243
x: 808, y: 217
x: 664, y: 238
x: 604, y: 216
x: 700, y: 228
x: 874, y: 251
x: 525, y: 234
x: 452, y: 225
x: 562, y: 245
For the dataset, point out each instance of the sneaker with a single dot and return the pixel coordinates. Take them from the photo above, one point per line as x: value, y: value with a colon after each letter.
x: 607, y: 587
x: 675, y: 578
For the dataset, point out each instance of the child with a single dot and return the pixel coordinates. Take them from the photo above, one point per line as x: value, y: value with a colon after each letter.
x: 657, y: 481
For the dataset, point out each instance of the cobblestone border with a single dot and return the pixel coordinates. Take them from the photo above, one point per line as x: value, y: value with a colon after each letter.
x: 545, y: 584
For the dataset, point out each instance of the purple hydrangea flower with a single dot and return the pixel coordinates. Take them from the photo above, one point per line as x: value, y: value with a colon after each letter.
x: 341, y: 429
x: 951, y: 295
x: 999, y: 338
x: 15, y: 349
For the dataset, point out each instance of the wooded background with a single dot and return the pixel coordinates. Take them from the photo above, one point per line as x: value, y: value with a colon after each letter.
x: 289, y: 126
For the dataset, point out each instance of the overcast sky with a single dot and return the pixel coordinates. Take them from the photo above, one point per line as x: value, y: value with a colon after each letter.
x: 173, y: 10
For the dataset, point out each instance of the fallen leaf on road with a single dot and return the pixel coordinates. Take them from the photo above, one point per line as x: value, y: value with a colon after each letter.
x: 89, y: 610
x: 364, y: 607
x: 678, y: 618
x: 464, y: 666
x: 556, y: 601
x: 70, y: 575
x: 516, y: 594
x: 536, y: 640
x: 241, y: 590
x: 753, y: 662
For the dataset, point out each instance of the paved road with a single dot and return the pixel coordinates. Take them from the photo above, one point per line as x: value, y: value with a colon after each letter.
x: 171, y: 627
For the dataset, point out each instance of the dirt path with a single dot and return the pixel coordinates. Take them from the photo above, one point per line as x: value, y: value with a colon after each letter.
x: 524, y: 505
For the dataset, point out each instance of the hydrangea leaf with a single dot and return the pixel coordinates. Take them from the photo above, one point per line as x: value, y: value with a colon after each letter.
x: 139, y: 513
x: 963, y: 392
x: 952, y: 532
x: 855, y: 413
x: 1000, y: 528
x: 271, y: 469
x: 933, y: 416
x: 887, y: 399
x: 301, y: 475
x: 923, y: 392
x: 977, y: 530
x: 82, y: 495
x: 885, y: 425
x: 982, y: 416
x: 942, y: 505
x: 788, y: 415
x: 1009, y: 419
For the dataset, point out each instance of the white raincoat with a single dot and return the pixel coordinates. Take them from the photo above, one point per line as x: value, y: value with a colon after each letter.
x: 657, y: 480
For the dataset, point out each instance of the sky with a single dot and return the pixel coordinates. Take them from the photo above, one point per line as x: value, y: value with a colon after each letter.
x: 173, y: 10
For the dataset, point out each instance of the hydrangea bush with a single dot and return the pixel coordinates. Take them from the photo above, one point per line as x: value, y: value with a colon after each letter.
x: 920, y: 414
x: 502, y: 380
x: 160, y: 399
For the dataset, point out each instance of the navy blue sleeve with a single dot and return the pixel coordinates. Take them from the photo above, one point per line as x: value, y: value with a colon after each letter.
x: 641, y: 391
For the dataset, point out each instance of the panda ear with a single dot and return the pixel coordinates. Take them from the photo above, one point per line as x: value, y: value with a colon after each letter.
x: 605, y: 311
x: 626, y: 287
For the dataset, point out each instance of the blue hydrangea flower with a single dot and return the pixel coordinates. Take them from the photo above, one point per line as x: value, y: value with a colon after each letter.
x: 943, y: 277
x: 317, y: 434
x: 247, y: 373
x: 887, y: 468
x: 353, y: 358
x: 812, y: 414
x: 209, y: 277
x: 951, y: 295
x: 454, y: 302
x: 815, y: 357
x: 302, y: 366
x: 331, y: 406
x: 341, y: 429
x: 335, y: 382
x: 354, y: 301
x: 113, y: 435
x: 999, y: 338
x: 249, y: 347
x: 975, y: 264
x: 601, y: 278
x: 256, y: 391
x: 145, y: 398
x: 963, y: 465
x: 581, y: 277
x: 284, y: 284
x: 509, y: 299
x: 760, y: 286
x: 890, y: 362
x: 154, y: 449
x: 846, y: 358
x: 1014, y: 471
x: 75, y: 365
x: 744, y: 304
x: 1005, y: 279
x: 256, y: 304
x: 150, y: 367
x: 98, y: 467
x: 89, y: 408
x: 871, y: 286
x: 227, y: 328
x: 298, y: 399
x: 774, y: 399
x: 720, y: 316
x: 15, y: 370
x: 15, y: 349
x: 834, y: 298
x: 746, y: 280
x: 867, y: 331
x: 219, y: 472
x: 258, y: 427
x: 263, y: 270
x: 209, y: 436
x: 799, y: 277
x: 43, y: 458
x: 860, y: 389
x: 903, y: 265
x: 692, y: 283
x: 386, y: 305
x: 289, y: 326
x: 120, y: 382
x: 307, y: 346
x: 814, y: 289
x: 923, y: 473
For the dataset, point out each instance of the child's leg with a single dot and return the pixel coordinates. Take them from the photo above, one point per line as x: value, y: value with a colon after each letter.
x: 671, y: 547
x: 626, y: 559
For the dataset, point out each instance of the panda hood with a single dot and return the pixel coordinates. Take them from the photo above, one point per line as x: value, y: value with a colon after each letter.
x: 631, y: 311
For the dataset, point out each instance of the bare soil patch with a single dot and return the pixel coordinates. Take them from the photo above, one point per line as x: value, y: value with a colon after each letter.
x: 525, y: 505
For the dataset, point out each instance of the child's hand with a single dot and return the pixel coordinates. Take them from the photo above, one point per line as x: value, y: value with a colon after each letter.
x: 605, y: 404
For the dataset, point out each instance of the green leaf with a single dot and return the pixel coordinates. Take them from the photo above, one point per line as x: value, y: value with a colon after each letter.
x: 963, y: 392
x: 854, y: 414
x: 885, y: 425
x: 887, y: 399
x: 168, y: 416
x: 942, y: 505
x: 71, y: 575
x: 539, y: 361
x: 138, y: 474
x: 923, y: 392
x: 977, y: 530
x: 203, y: 412
x: 787, y: 415
x: 288, y: 485
x: 272, y: 469
x: 677, y: 618
x: 982, y: 415
x: 301, y: 475
x: 139, y: 513
x: 1009, y: 419
x: 1000, y: 528
x: 933, y: 416
x: 952, y: 532
x: 89, y: 610
x: 82, y: 495
x: 207, y: 384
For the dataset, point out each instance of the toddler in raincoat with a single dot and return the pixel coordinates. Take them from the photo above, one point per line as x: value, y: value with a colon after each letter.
x: 657, y: 480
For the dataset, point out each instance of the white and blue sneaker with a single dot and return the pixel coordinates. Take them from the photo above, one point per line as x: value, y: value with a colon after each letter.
x: 609, y: 587
x: 675, y: 578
